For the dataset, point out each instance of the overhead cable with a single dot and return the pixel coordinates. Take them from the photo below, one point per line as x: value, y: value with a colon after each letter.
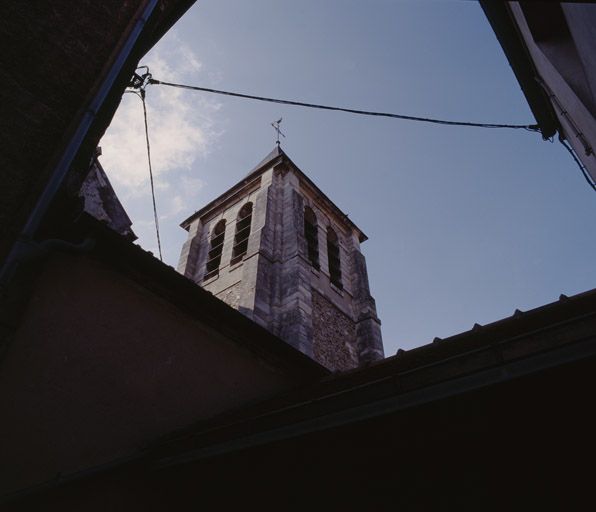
x: 584, y: 171
x: 141, y: 95
x: 529, y: 127
x: 146, y: 79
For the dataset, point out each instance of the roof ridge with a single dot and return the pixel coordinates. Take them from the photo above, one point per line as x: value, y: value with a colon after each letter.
x: 273, y: 154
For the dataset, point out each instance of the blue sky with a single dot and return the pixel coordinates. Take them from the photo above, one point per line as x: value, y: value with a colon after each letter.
x: 465, y: 225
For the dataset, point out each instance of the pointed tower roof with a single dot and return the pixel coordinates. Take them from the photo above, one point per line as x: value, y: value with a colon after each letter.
x: 277, y: 155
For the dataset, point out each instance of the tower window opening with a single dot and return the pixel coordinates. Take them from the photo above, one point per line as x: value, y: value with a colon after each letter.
x: 243, y: 222
x: 333, y: 258
x: 216, y: 248
x: 311, y: 233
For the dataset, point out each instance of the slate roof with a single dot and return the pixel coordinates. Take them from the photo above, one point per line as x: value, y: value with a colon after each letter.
x: 277, y: 154
x: 102, y: 202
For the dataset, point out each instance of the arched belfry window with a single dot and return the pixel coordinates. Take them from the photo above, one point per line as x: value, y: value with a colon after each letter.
x: 215, y: 250
x: 243, y: 222
x: 333, y: 258
x: 311, y: 233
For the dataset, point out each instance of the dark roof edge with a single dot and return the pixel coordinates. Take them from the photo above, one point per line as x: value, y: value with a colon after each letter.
x: 276, y: 419
x: 517, y: 53
x: 274, y: 158
x: 137, y: 264
x: 549, y: 314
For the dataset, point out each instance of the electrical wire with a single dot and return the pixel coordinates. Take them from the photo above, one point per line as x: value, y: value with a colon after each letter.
x: 579, y: 164
x: 529, y: 127
x: 148, y: 79
x: 141, y: 95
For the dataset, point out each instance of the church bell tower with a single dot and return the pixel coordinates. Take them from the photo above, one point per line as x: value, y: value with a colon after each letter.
x: 277, y: 249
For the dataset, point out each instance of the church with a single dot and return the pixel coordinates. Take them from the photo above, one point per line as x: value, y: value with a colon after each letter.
x: 277, y: 249
x: 254, y: 377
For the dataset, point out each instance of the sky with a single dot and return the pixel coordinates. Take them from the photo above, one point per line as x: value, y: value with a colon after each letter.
x: 465, y: 224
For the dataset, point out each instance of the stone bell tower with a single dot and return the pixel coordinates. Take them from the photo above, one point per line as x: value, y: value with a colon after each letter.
x: 276, y: 248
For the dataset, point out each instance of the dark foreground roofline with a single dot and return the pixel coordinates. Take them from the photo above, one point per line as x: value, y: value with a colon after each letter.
x: 523, y: 344
x: 553, y: 336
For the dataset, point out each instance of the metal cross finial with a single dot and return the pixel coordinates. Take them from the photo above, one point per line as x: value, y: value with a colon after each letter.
x: 277, y: 129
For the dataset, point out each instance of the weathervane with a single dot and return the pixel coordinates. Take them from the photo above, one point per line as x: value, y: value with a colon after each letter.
x: 277, y: 129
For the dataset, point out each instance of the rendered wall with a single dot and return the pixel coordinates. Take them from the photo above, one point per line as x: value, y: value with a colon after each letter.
x: 100, y: 366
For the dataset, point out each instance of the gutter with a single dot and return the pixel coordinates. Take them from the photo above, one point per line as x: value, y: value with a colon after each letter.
x: 23, y: 245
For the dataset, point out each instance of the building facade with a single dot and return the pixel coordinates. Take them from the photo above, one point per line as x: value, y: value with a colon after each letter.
x: 276, y: 248
x: 550, y: 47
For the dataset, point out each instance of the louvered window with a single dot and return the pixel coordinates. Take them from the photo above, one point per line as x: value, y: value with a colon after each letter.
x: 216, y: 248
x: 333, y: 258
x: 243, y: 222
x: 311, y: 233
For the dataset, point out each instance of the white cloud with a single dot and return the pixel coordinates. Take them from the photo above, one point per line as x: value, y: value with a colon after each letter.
x: 177, y: 205
x: 183, y: 127
x: 186, y: 191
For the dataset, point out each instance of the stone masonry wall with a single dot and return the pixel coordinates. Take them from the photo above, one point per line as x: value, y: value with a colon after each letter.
x: 334, y: 335
x: 231, y: 296
x: 369, y: 340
